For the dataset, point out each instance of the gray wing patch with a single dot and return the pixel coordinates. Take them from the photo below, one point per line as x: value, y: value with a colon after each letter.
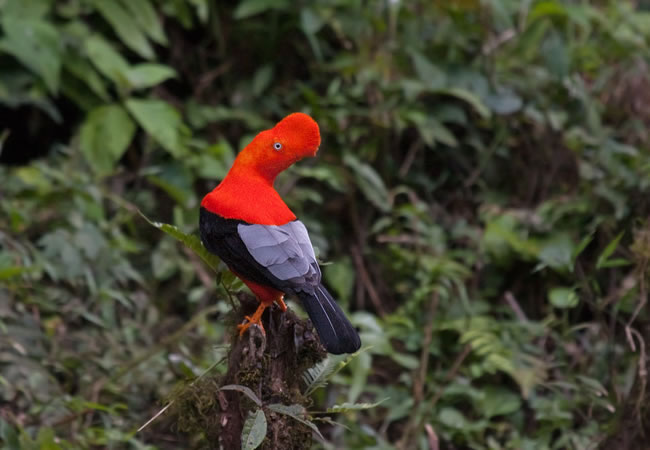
x: 284, y: 250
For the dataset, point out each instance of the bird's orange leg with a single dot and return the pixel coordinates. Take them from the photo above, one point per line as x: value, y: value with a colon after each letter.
x: 255, y: 319
x: 267, y: 296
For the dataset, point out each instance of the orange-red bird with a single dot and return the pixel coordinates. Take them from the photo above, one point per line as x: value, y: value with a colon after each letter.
x: 245, y: 222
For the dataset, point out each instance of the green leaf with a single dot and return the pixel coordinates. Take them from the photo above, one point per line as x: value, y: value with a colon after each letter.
x: 248, y: 8
x: 345, y: 407
x: 498, y: 401
x: 341, y: 276
x: 318, y: 376
x: 11, y: 272
x: 562, y: 297
x: 430, y: 74
x: 593, y: 384
x: 609, y: 250
x: 504, y: 102
x: 161, y: 121
x: 452, y: 418
x: 296, y: 412
x: 369, y: 181
x: 615, y: 262
x: 84, y: 71
x: 9, y: 435
x: 310, y: 22
x: 547, y: 9
x: 430, y: 129
x: 470, y: 98
x: 244, y: 390
x: 189, y: 240
x: 107, y: 60
x: 25, y: 9
x: 254, y: 430
x: 556, y: 55
x: 105, y: 135
x: 146, y: 75
x: 146, y: 16
x: 262, y: 79
x: 37, y: 45
x: 125, y: 27
x: 557, y: 252
x: 581, y: 246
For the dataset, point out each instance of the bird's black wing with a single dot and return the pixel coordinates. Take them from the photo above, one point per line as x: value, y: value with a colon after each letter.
x: 282, y: 257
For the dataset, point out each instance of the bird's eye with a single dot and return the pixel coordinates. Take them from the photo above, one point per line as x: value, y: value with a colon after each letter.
x: 277, y: 146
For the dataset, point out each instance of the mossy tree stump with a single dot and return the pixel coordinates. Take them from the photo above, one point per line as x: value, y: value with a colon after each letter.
x: 271, y: 366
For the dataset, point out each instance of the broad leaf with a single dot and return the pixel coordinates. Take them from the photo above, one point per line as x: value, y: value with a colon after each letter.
x: 562, y: 297
x: 105, y: 135
x: 107, y: 60
x: 369, y: 181
x: 249, y: 8
x: 161, y: 121
x: 470, y: 98
x: 254, y: 430
x: 430, y: 74
x: 146, y: 75
x: 37, y: 45
x: 82, y: 69
x: 25, y: 9
x: 125, y: 27
x: 244, y: 390
x: 146, y: 16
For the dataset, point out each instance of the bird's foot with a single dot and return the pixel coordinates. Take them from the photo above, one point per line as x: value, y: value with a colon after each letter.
x: 255, y: 319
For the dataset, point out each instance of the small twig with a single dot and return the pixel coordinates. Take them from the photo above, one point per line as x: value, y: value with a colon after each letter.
x: 399, y: 239
x: 498, y: 41
x: 514, y: 305
x: 418, y: 386
x: 410, y: 157
x: 434, y: 443
x: 155, y: 416
x: 119, y: 201
x: 96, y: 389
x: 420, y: 379
x: 207, y: 79
x: 3, y: 137
x: 628, y: 283
x: 365, y: 279
x: 199, y: 267
x: 452, y: 373
x: 643, y: 297
x: 631, y: 333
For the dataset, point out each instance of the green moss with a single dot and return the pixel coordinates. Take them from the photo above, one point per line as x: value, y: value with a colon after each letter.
x: 196, y: 405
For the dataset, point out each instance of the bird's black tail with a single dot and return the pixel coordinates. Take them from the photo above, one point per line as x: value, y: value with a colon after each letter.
x: 334, y: 329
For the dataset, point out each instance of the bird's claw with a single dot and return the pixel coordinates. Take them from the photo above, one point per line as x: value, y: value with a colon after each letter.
x: 281, y: 304
x: 248, y: 321
x: 256, y: 319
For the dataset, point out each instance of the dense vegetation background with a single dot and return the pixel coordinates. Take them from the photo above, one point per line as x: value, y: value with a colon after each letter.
x: 481, y: 193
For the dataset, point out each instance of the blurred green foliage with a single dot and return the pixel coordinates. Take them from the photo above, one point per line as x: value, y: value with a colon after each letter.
x: 481, y: 192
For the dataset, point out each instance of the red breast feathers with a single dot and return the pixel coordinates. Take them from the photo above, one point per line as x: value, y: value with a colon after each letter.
x: 247, y: 193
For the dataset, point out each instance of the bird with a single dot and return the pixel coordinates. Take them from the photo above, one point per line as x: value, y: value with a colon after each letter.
x: 246, y: 223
